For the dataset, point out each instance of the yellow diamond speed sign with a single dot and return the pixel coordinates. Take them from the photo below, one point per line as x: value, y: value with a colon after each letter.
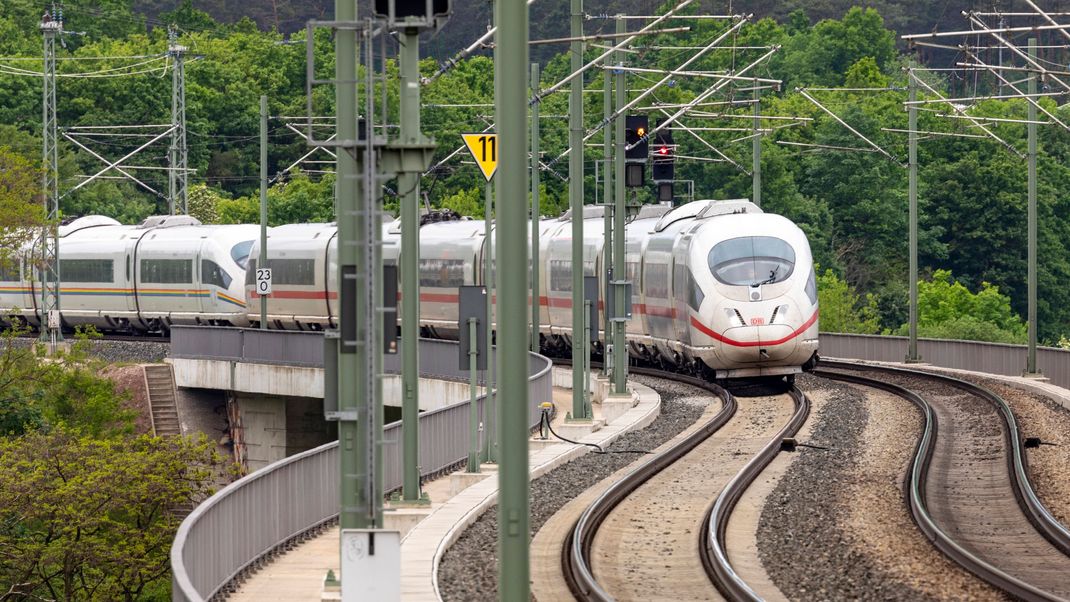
x: 484, y: 149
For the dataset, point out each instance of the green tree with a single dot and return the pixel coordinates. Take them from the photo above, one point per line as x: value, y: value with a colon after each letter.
x: 466, y: 202
x: 204, y: 203
x: 297, y: 200
x: 843, y: 309
x: 61, y: 391
x: 20, y: 208
x: 947, y: 309
x: 93, y: 519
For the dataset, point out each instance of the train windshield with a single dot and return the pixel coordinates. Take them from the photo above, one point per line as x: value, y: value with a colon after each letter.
x: 240, y: 253
x: 752, y: 260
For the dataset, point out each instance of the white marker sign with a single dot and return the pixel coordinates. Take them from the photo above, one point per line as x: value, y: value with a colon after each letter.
x: 263, y: 281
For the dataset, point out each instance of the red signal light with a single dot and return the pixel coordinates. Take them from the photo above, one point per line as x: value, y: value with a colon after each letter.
x: 664, y: 150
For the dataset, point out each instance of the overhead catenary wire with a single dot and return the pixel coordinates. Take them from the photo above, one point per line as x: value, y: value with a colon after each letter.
x: 851, y: 129
x: 956, y: 108
x: 1031, y: 101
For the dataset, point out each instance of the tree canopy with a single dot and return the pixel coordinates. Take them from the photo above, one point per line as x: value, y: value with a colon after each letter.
x: 847, y: 197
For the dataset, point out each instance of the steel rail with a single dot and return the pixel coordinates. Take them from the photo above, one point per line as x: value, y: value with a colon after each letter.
x: 713, y: 548
x: 1041, y: 518
x: 575, y: 558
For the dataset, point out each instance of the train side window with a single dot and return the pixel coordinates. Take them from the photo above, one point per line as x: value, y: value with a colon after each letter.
x: 87, y: 270
x: 442, y: 273
x: 167, y: 271
x: 811, y: 287
x: 656, y: 280
x: 9, y: 270
x: 695, y: 296
x: 301, y: 272
x: 250, y: 271
x: 561, y: 275
x: 214, y: 275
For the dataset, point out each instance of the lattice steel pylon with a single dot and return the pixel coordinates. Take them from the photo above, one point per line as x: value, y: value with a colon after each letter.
x: 178, y: 178
x: 51, y: 26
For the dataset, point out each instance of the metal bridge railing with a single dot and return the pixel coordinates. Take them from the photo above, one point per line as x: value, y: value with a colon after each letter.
x: 254, y: 515
x: 992, y: 358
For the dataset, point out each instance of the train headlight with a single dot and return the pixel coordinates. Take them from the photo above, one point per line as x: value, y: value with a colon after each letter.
x: 756, y: 293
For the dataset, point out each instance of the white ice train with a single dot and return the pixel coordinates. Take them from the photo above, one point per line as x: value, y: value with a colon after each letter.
x: 720, y: 288
x: 165, y: 271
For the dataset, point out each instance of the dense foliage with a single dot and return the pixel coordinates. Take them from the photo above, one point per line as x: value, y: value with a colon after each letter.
x: 852, y: 205
x: 89, y: 509
x: 19, y: 186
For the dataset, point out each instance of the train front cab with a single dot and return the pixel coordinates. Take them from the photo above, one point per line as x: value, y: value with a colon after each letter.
x: 763, y: 319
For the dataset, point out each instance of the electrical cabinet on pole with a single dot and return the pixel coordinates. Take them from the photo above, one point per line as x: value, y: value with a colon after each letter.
x: 178, y: 177
x: 51, y: 26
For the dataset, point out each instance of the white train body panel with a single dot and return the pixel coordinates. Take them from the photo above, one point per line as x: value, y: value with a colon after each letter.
x: 168, y: 270
x: 714, y: 282
x: 298, y: 257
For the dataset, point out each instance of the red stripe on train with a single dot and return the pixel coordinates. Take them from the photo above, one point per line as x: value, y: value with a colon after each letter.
x: 710, y: 333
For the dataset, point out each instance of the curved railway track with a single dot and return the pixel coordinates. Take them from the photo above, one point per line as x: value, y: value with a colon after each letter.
x: 580, y: 565
x: 968, y: 488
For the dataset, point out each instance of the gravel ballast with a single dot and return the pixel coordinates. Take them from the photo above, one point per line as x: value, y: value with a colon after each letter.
x: 119, y: 352
x: 824, y: 531
x: 469, y: 569
x: 1049, y: 465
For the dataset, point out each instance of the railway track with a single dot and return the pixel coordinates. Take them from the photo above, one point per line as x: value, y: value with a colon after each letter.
x: 968, y: 487
x: 666, y: 508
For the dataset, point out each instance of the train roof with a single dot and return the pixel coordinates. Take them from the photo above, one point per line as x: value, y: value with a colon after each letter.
x: 89, y: 221
x: 706, y: 209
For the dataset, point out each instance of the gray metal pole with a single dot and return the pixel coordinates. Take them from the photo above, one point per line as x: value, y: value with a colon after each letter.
x: 473, y: 409
x: 372, y: 252
x: 575, y: 198
x: 536, y: 299
x: 490, y: 408
x: 262, y: 262
x: 409, y: 186
x: 511, y: 99
x: 1031, y: 359
x: 50, y: 274
x: 620, y: 353
x: 178, y: 177
x: 756, y: 151
x: 607, y: 205
x: 912, y: 176
x: 351, y: 356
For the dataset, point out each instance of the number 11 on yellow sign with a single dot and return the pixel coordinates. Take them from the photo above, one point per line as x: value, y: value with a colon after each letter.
x: 484, y: 149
